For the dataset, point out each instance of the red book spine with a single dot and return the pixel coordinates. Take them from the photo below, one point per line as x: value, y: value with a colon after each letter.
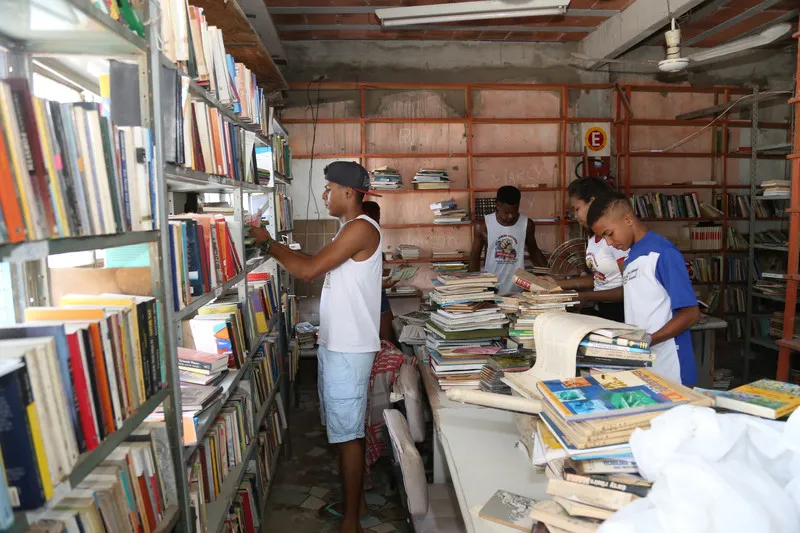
x: 82, y: 393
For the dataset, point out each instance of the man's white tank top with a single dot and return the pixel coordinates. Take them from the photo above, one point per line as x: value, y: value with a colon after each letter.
x: 350, y: 306
x: 505, y: 250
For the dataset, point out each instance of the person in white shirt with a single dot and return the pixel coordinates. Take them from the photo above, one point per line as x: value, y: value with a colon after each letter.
x: 505, y: 234
x: 349, y: 320
x: 600, y: 292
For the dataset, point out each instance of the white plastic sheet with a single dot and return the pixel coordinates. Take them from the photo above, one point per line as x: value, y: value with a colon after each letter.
x: 715, y: 473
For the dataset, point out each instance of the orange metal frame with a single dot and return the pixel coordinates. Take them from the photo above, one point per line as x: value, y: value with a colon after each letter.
x: 788, y: 343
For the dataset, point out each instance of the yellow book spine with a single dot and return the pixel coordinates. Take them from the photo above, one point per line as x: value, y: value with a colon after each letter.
x: 214, y: 472
x: 38, y: 447
x: 50, y: 162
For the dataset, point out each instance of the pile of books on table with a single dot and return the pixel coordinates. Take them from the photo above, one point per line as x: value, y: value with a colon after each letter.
x: 407, y: 251
x: 386, y: 179
x: 621, y: 352
x: 465, y: 329
x: 447, y: 212
x: 766, y: 398
x: 584, y: 437
x: 306, y: 335
x: 780, y: 188
x: 497, y: 366
x: 431, y: 179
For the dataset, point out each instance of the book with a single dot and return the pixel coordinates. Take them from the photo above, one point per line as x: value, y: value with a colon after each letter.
x: 531, y: 282
x: 765, y: 398
x: 580, y: 509
x: 591, y: 495
x: 552, y: 514
x: 614, y: 394
x: 621, y: 483
x: 510, y: 510
x: 201, y: 362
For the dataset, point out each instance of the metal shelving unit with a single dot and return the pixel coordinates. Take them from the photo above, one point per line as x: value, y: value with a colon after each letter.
x: 776, y: 150
x: 788, y: 343
x: 85, y: 30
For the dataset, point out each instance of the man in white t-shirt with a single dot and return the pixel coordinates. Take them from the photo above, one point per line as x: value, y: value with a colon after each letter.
x: 505, y: 234
x: 349, y: 320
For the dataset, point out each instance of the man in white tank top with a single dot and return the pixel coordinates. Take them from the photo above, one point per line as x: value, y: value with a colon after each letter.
x: 504, y: 235
x: 349, y: 319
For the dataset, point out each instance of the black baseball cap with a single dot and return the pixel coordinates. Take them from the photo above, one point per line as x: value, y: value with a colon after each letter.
x: 349, y: 174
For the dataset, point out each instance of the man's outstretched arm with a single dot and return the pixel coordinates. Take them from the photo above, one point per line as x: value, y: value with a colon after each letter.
x: 357, y: 236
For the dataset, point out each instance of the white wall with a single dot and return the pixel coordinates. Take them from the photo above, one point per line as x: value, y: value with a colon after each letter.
x: 300, y: 192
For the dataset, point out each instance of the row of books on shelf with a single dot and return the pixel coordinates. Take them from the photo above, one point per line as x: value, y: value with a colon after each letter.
x: 126, y: 13
x: 284, y: 212
x: 739, y: 205
x: 224, y: 452
x: 200, y: 137
x: 71, y: 377
x: 203, y: 254
x: 199, y: 50
x: 772, y: 325
x: 133, y: 490
x: 714, y: 269
x: 68, y: 171
x: 688, y: 205
x: 281, y: 154
x: 703, y: 237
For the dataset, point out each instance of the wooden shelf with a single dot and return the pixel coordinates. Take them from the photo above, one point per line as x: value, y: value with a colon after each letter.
x: 425, y: 260
x: 414, y: 226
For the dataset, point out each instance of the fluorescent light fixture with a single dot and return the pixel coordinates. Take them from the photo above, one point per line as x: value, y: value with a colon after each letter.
x: 764, y: 38
x: 490, y: 9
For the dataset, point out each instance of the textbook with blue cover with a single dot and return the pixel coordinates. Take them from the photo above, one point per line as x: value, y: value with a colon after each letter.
x: 614, y: 394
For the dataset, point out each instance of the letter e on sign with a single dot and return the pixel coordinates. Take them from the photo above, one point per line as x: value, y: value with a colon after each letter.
x: 596, y: 139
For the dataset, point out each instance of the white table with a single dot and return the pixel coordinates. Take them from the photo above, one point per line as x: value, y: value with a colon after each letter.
x: 480, y: 449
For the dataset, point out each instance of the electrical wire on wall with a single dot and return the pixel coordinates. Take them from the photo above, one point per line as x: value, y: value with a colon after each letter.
x: 704, y: 128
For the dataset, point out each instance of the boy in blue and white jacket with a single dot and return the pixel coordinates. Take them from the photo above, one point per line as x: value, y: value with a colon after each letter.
x: 659, y: 297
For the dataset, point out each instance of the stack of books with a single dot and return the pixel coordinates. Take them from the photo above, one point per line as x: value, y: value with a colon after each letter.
x: 776, y: 320
x: 412, y: 327
x: 69, y: 171
x: 431, y: 179
x: 780, y: 188
x: 582, y: 439
x: 466, y: 327
x: 447, y: 212
x: 407, y: 251
x: 386, y: 179
x: 201, y: 368
x: 609, y: 350
x: 306, y: 334
x: 496, y: 367
x: 594, y: 415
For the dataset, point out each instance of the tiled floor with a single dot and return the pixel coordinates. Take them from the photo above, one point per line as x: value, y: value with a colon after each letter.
x: 309, y: 480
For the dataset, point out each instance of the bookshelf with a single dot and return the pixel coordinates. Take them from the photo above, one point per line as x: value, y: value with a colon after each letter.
x: 721, y: 152
x: 788, y: 343
x: 94, y: 30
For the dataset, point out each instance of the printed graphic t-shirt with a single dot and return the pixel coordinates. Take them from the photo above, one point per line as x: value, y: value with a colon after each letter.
x: 657, y: 284
x: 604, y: 260
x: 505, y: 251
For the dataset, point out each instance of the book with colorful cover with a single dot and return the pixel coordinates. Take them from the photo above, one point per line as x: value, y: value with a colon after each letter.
x: 765, y: 398
x: 615, y: 394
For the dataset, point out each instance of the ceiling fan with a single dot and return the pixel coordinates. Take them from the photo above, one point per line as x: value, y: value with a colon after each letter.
x: 674, y: 62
